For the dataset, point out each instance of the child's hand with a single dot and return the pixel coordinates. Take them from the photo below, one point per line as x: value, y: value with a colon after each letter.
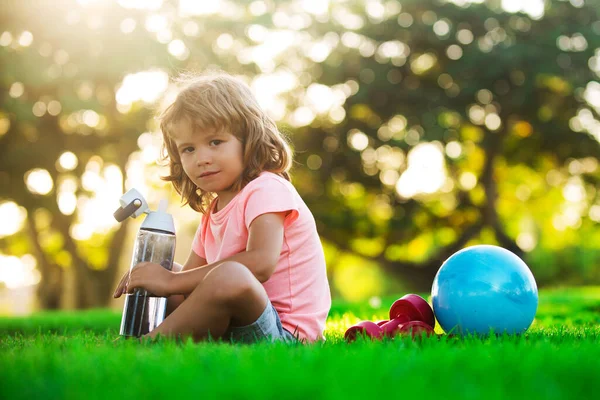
x: 150, y: 276
x: 122, y: 286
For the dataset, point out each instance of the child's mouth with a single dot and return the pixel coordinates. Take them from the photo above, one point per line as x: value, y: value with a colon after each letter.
x: 208, y: 174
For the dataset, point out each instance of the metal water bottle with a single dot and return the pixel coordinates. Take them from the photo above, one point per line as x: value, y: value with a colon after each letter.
x: 155, y: 242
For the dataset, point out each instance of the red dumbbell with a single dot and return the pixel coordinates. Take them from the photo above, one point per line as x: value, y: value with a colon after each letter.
x: 368, y: 328
x: 390, y: 328
x: 413, y: 307
x: 415, y: 328
x: 404, y: 314
x: 409, y: 315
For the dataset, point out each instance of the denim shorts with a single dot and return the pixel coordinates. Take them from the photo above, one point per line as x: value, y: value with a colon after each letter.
x: 266, y: 328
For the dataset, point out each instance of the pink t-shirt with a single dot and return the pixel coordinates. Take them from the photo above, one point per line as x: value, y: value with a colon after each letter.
x: 298, y: 289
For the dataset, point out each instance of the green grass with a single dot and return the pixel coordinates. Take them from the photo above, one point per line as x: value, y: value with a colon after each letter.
x: 73, y: 355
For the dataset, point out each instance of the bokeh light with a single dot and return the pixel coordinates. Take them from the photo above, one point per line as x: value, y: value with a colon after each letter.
x: 12, y: 216
x: 426, y: 172
x: 144, y: 86
x: 39, y: 181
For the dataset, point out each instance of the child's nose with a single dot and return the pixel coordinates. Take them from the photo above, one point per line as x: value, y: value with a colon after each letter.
x: 203, y: 157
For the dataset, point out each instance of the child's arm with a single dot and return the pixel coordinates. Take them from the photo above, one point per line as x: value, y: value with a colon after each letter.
x: 265, y: 238
x: 192, y: 262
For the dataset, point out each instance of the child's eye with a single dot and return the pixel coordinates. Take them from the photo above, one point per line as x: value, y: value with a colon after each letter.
x: 215, y: 142
x: 188, y: 149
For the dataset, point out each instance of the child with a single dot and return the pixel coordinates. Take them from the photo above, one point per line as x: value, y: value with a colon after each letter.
x: 256, y: 269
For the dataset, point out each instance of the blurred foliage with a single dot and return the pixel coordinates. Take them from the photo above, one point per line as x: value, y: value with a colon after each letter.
x: 419, y: 127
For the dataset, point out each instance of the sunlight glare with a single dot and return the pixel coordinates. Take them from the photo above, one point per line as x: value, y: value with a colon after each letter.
x: 375, y: 9
x: 113, y: 183
x: 389, y: 177
x: 352, y: 40
x: 135, y: 173
x: 12, y: 216
x: 302, y: 116
x: 16, y: 90
x: 257, y: 33
x: 347, y: 19
x: 145, y: 85
x: 178, y: 49
x: 16, y: 272
x: 257, y: 8
x: 26, y: 39
x: 320, y: 97
x: 453, y: 149
x: 574, y: 192
x: 87, y: 2
x: 225, y: 41
x: 393, y: 49
x: 66, y: 198
x: 195, y: 7
x: 315, y: 7
x: 426, y: 172
x: 141, y: 4
x: 390, y: 158
x: 423, y: 63
x: 150, y: 146
x: 95, y: 213
x: 464, y: 36
x: 441, y: 28
x: 594, y: 213
x: 67, y: 202
x: 268, y: 87
x: 534, y: 8
x: 467, y: 180
x: 68, y: 161
x: 4, y: 125
x: 592, y: 95
x: 6, y: 39
x: 358, y: 140
x: 526, y: 241
x: 493, y: 122
x: 39, y: 181
x: 128, y: 25
x: 275, y: 43
x: 319, y: 51
x: 585, y: 120
x: 91, y: 118
x: 156, y: 23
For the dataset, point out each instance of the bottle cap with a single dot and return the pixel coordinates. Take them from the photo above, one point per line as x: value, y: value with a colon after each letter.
x: 133, y: 205
x: 159, y: 219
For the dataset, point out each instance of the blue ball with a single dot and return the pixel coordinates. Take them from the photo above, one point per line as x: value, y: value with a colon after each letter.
x: 483, y: 288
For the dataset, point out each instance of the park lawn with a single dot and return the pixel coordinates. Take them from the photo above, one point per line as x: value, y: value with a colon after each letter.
x: 65, y: 355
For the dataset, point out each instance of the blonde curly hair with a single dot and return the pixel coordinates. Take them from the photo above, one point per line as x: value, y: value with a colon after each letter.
x: 220, y: 102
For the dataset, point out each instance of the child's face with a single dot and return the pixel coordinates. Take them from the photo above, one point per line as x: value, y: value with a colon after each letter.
x: 212, y: 160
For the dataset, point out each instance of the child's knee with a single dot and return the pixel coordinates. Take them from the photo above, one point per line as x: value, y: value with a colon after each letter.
x: 231, y: 281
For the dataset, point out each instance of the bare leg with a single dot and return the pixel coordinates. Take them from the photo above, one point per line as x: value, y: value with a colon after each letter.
x: 173, y: 302
x: 228, y: 295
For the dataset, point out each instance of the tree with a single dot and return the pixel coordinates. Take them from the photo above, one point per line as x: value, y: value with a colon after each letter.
x: 59, y: 96
x: 507, y: 87
x: 504, y: 103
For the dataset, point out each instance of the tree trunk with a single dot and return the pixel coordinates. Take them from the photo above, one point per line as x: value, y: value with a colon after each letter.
x: 85, y: 297
x: 493, y: 147
x: 50, y: 288
x: 104, y: 280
